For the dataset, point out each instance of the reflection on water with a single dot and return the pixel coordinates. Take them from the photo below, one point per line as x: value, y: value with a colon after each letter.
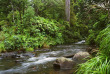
x: 43, y: 63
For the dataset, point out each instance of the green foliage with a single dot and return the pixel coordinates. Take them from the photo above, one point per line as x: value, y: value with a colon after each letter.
x: 96, y: 18
x: 100, y: 63
x: 103, y: 39
x: 4, y: 9
x: 51, y: 9
x: 10, y: 18
x: 99, y: 25
x: 91, y: 38
x: 2, y: 47
x: 97, y: 65
x: 3, y: 22
x: 32, y: 32
x: 37, y: 23
x: 2, y: 37
x: 29, y: 49
x: 73, y: 17
x: 93, y: 16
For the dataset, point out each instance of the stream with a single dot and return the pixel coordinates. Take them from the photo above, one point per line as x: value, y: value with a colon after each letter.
x: 42, y: 62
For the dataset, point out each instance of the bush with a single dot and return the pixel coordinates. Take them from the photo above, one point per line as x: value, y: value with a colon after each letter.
x: 51, y: 9
x: 100, y: 63
x: 2, y: 47
x: 26, y: 30
x: 97, y: 65
x: 91, y: 37
x: 103, y: 40
x: 32, y: 32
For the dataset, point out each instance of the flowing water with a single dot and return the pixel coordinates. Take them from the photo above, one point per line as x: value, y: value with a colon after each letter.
x: 42, y: 63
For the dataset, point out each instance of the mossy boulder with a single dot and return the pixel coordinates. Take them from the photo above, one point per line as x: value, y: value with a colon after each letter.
x: 63, y: 63
x: 81, y: 57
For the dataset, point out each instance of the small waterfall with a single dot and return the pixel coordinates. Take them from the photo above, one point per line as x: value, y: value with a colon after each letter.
x: 81, y: 42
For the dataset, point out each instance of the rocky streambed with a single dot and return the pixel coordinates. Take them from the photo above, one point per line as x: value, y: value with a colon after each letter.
x: 40, y: 61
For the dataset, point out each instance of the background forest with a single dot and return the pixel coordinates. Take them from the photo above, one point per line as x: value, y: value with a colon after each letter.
x: 27, y: 25
x: 31, y: 24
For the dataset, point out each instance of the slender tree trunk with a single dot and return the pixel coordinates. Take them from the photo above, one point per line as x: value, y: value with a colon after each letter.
x: 108, y: 13
x: 67, y: 10
x: 20, y: 15
x: 13, y: 12
x: 23, y: 7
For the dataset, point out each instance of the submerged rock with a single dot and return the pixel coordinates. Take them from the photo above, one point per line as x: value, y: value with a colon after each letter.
x: 81, y: 57
x: 19, y: 61
x: 9, y: 55
x: 13, y: 55
x: 89, y: 49
x: 94, y: 52
x: 46, y: 46
x: 28, y: 54
x: 68, y: 56
x: 63, y: 63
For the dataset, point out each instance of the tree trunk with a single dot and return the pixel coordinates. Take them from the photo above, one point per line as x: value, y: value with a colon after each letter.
x: 13, y: 12
x: 20, y: 16
x: 67, y: 10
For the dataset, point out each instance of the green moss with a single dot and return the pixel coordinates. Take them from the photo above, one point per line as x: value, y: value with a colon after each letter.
x: 29, y: 49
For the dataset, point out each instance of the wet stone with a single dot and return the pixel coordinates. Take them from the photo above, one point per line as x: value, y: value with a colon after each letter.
x: 64, y: 63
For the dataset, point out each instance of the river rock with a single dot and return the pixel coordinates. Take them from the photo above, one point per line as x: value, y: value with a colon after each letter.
x: 68, y: 56
x: 63, y: 63
x: 9, y: 55
x: 19, y: 61
x: 81, y: 57
x: 28, y: 54
x: 94, y: 51
x: 16, y: 55
x: 89, y: 49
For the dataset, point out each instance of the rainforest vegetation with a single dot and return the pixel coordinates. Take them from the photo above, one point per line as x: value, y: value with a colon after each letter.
x: 31, y: 24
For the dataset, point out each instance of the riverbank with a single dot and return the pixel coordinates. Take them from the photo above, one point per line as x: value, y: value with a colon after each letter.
x: 41, y: 62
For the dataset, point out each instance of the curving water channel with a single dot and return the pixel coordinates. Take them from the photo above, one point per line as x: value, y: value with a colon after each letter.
x: 42, y: 63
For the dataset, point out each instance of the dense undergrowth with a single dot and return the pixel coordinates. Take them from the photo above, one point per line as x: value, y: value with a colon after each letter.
x: 98, y: 34
x: 101, y: 63
x: 28, y: 25
x: 33, y: 32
